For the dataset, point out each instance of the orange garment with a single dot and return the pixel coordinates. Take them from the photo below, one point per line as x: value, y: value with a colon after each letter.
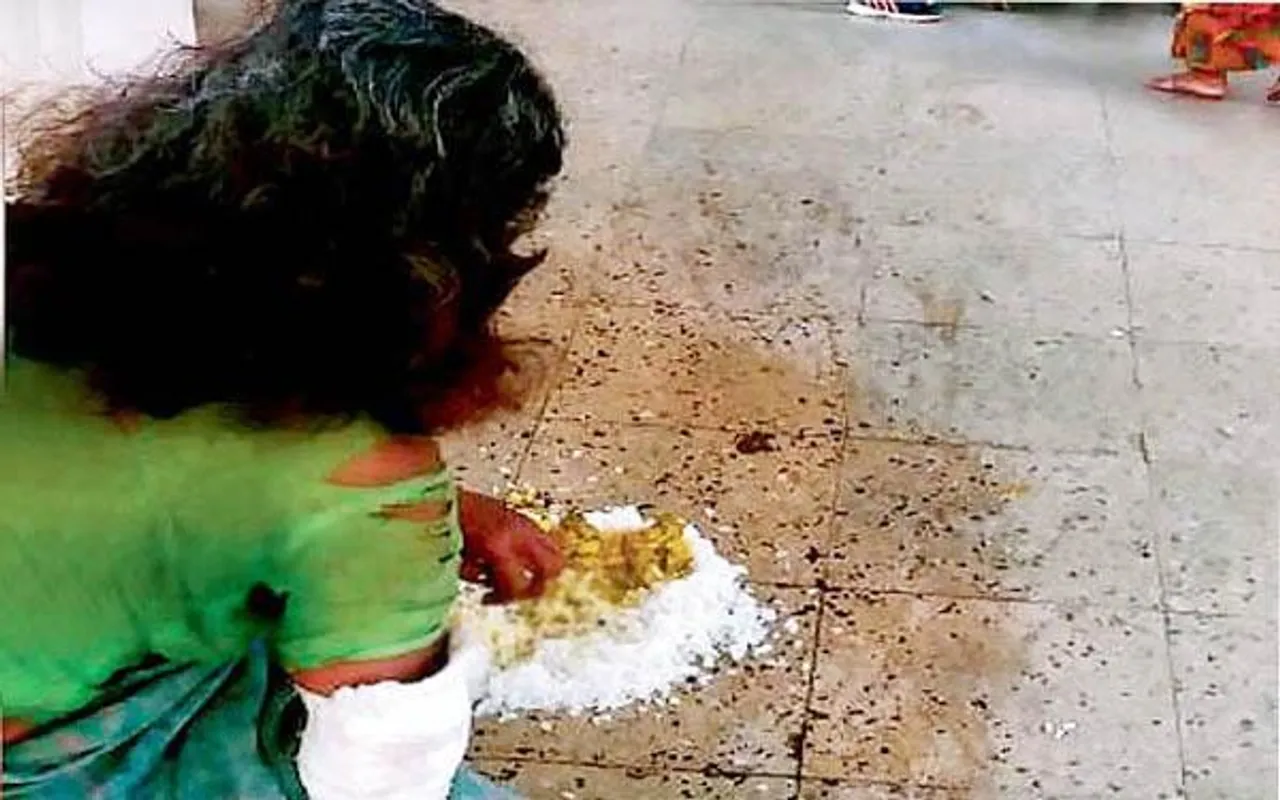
x: 1228, y: 37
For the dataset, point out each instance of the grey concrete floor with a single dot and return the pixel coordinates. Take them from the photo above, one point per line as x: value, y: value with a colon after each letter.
x: 1013, y: 323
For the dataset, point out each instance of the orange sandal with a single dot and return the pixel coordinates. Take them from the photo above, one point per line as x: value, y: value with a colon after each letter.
x: 1190, y: 84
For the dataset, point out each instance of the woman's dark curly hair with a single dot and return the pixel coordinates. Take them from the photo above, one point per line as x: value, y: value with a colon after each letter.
x: 315, y: 221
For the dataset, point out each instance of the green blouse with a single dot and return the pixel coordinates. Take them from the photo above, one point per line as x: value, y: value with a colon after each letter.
x: 187, y: 539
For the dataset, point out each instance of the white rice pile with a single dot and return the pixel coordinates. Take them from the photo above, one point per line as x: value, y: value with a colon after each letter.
x: 675, y: 636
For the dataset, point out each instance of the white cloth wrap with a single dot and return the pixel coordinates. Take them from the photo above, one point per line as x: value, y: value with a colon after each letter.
x: 391, y: 740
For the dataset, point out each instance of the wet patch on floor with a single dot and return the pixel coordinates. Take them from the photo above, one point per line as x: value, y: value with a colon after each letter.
x: 910, y: 517
x: 936, y: 312
x: 903, y: 689
x: 906, y: 669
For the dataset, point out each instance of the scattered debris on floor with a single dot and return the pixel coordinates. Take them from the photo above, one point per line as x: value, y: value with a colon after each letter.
x: 646, y: 606
x: 756, y: 442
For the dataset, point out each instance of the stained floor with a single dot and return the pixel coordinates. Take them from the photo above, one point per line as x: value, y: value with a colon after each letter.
x: 1012, y: 323
x: 1009, y: 327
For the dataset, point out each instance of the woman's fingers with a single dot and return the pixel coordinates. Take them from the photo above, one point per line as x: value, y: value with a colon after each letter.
x: 511, y: 580
x: 524, y: 575
x: 513, y: 557
x: 545, y: 556
x: 537, y: 585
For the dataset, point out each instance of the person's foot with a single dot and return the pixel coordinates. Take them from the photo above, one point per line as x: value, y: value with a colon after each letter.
x: 1273, y: 94
x: 889, y: 9
x: 1205, y: 85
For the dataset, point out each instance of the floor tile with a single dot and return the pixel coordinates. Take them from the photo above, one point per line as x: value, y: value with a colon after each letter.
x: 608, y: 62
x: 775, y: 90
x: 960, y: 118
x: 993, y: 523
x: 1054, y: 46
x: 486, y: 456
x: 1181, y: 210
x: 538, y: 323
x: 1218, y: 528
x: 949, y: 277
x: 739, y: 221
x: 1007, y: 192
x: 1158, y: 127
x: 1013, y: 698
x: 1178, y: 184
x: 748, y: 720
x: 1005, y: 387
x: 661, y: 363
x: 1205, y: 294
x: 768, y: 509
x: 572, y: 782
x: 1225, y: 669
x: 610, y: 65
x: 1211, y: 403
x: 544, y: 308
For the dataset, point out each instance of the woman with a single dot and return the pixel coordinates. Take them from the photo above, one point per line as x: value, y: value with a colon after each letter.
x: 241, y: 298
x: 1215, y: 39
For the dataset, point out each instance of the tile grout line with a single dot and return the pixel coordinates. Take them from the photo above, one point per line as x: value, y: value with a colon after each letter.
x: 563, y: 358
x: 709, y: 771
x: 862, y: 319
x: 1122, y: 243
x: 811, y: 681
x: 1059, y: 604
x: 1141, y: 441
x: 1131, y: 332
x: 873, y: 437
x: 1145, y: 451
x: 832, y: 526
x: 1166, y: 618
x: 1243, y: 248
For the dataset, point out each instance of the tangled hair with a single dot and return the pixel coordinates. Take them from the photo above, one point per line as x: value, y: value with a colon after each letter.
x: 316, y: 221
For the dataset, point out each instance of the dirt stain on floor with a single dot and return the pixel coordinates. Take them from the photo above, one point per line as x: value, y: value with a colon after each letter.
x: 909, y: 656
x: 908, y: 661
x: 946, y: 315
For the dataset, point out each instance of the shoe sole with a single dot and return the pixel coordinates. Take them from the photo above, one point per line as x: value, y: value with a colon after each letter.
x: 876, y: 13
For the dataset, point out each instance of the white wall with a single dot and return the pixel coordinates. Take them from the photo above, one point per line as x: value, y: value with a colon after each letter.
x: 46, y: 44
x: 71, y: 40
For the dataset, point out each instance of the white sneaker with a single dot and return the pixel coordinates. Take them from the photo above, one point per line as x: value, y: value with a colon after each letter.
x: 899, y: 12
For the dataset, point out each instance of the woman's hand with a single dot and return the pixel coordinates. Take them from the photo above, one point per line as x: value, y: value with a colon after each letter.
x: 505, y: 550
